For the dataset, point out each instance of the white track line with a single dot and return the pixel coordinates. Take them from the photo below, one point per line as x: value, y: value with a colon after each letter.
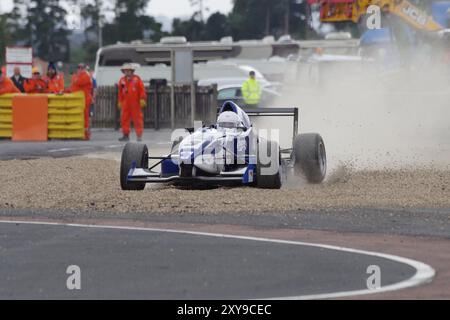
x: 424, y: 273
x: 69, y: 149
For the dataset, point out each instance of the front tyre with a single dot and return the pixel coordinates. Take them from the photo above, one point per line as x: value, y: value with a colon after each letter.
x: 134, y: 154
x: 310, y: 157
x: 268, y: 175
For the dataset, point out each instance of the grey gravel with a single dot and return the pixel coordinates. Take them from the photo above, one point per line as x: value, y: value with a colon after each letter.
x: 89, y: 184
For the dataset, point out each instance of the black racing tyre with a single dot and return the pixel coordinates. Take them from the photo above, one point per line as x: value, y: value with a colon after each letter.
x: 310, y: 157
x: 133, y: 153
x: 263, y: 180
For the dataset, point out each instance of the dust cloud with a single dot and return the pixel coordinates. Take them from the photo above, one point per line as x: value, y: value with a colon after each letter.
x: 374, y: 121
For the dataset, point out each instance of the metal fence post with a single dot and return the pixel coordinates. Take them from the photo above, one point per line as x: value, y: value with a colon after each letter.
x: 213, y: 109
x: 193, y: 102
x: 155, y: 106
x: 115, y: 104
x: 172, y: 93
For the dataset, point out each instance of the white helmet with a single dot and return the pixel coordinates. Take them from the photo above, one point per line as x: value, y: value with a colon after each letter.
x: 128, y: 66
x: 228, y: 120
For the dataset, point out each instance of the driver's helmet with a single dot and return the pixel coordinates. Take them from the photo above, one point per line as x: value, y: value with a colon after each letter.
x: 228, y: 120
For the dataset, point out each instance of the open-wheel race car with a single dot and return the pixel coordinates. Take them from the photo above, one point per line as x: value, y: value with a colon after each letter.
x: 229, y: 152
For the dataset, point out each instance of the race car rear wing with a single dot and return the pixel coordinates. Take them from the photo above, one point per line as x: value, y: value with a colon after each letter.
x: 276, y: 112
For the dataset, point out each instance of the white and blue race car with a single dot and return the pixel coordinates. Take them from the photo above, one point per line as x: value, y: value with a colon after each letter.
x: 229, y: 152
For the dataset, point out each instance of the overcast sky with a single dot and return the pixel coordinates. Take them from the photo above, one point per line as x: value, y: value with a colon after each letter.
x: 169, y: 8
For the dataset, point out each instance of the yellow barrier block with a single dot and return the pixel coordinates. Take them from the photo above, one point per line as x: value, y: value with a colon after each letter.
x: 65, y: 126
x: 65, y: 112
x: 6, y: 100
x: 66, y: 100
x: 4, y: 133
x: 6, y: 115
x: 5, y: 103
x: 66, y: 116
x: 5, y: 130
x: 6, y: 111
x: 69, y: 103
x: 66, y: 134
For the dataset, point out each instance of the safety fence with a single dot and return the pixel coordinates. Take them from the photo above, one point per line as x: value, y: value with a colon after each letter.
x: 42, y: 117
x: 106, y: 114
x: 157, y: 114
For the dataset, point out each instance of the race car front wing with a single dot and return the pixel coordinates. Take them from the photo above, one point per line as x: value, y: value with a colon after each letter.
x: 244, y: 176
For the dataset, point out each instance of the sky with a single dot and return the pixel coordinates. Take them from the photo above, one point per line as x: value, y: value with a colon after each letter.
x: 169, y: 8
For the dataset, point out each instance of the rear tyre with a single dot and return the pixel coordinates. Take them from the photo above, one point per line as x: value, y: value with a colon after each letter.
x: 134, y: 154
x: 310, y: 157
x: 265, y: 179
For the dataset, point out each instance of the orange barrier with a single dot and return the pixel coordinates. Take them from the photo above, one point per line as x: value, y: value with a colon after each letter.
x: 30, y: 118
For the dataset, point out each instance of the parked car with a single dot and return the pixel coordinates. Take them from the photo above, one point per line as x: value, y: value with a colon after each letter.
x: 229, y: 89
x: 233, y: 93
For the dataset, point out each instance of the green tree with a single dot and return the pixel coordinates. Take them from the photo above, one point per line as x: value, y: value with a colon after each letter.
x: 200, y: 8
x: 254, y: 19
x: 131, y: 23
x: 192, y: 29
x: 43, y: 26
x: 299, y: 21
x: 4, y: 37
x: 93, y: 16
x: 16, y: 23
x: 217, y: 27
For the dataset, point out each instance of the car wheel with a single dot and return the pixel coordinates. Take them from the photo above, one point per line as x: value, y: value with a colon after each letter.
x: 269, y: 180
x: 134, y: 154
x: 310, y: 157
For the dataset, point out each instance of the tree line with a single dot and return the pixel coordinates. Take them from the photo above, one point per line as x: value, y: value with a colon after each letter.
x: 43, y: 24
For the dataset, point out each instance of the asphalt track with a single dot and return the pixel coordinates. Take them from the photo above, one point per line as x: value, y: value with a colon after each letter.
x: 156, y: 264
x: 102, y: 141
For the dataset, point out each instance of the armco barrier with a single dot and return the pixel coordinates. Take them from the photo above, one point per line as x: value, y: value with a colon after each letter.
x: 65, y: 116
x: 6, y: 116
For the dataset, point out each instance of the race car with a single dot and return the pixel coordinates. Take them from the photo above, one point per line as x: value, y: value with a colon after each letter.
x: 229, y: 152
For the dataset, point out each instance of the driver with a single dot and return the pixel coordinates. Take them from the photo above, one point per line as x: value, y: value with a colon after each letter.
x: 228, y: 120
